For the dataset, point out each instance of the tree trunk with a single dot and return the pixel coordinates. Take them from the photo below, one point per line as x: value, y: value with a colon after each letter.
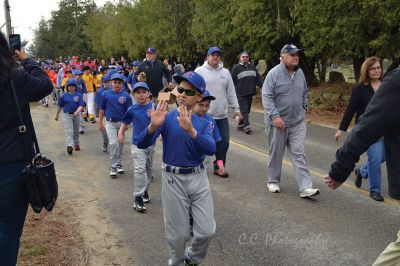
x: 308, y: 66
x: 357, y: 62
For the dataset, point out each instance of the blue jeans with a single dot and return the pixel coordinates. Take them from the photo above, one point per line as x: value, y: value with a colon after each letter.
x: 13, y: 208
x: 223, y: 145
x: 372, y: 168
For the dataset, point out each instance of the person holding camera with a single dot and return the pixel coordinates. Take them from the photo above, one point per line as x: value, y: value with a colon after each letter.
x: 31, y: 84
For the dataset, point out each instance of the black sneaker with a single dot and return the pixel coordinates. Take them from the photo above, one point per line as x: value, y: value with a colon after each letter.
x: 69, y: 150
x: 358, y: 180
x: 138, y: 205
x: 92, y: 120
x: 120, y: 170
x: 190, y: 263
x: 113, y: 172
x: 247, y: 130
x: 85, y: 119
x: 146, y: 198
x: 105, y: 147
x: 376, y: 196
x: 82, y: 132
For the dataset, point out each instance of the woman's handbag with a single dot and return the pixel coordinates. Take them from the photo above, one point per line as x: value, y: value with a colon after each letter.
x: 39, y: 176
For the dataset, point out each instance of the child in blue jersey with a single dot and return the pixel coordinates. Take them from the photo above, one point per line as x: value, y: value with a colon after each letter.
x: 201, y: 110
x: 71, y: 103
x: 187, y: 139
x: 105, y: 86
x: 82, y: 90
x: 113, y: 107
x: 139, y: 115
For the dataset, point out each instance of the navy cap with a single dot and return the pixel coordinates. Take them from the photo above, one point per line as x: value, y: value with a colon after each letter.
x: 244, y: 53
x: 151, y: 51
x: 105, y: 78
x: 289, y: 48
x: 118, y: 76
x: 207, y: 96
x: 78, y: 72
x: 71, y: 82
x: 112, y: 72
x: 119, y: 68
x: 142, y: 85
x: 214, y: 49
x: 195, y: 79
x: 135, y: 63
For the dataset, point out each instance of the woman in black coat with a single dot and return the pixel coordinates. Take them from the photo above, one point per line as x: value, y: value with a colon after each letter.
x: 31, y: 84
x: 370, y: 81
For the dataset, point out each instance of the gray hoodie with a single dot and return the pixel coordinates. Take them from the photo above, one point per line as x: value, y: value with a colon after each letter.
x: 285, y: 96
x: 220, y: 85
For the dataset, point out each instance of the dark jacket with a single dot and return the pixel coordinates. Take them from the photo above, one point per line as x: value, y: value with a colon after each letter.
x: 154, y: 75
x: 31, y: 84
x: 359, y: 99
x: 381, y: 118
x: 245, y: 78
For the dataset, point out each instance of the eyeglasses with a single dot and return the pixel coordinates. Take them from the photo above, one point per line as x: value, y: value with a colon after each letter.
x: 187, y: 92
x: 374, y: 68
x: 245, y: 56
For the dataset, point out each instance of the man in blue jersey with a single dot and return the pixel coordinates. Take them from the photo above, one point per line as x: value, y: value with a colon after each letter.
x: 187, y: 139
x: 114, y: 105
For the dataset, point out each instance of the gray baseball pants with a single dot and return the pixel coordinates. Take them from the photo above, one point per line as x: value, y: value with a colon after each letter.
x: 115, y: 148
x: 71, y: 126
x: 142, y: 163
x: 179, y: 193
x: 293, y: 138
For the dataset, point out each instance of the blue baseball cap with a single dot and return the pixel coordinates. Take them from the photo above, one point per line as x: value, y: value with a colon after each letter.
x: 112, y: 72
x: 151, y: 51
x: 214, y: 49
x: 289, y: 48
x: 140, y: 84
x: 71, y: 82
x: 135, y: 63
x: 119, y: 68
x: 105, y: 78
x: 195, y: 79
x: 207, y: 96
x: 78, y: 72
x: 118, y: 76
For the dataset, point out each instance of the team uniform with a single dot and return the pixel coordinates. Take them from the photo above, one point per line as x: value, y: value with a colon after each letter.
x: 139, y: 116
x: 216, y: 135
x: 185, y: 185
x: 90, y: 84
x: 115, y: 105
x: 97, y: 102
x: 69, y: 104
x: 82, y: 90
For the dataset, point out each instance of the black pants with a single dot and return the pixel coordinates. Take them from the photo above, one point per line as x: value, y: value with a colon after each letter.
x: 245, y: 106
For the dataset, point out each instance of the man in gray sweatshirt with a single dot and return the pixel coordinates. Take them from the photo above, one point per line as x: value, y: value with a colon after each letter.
x: 220, y: 84
x: 284, y: 96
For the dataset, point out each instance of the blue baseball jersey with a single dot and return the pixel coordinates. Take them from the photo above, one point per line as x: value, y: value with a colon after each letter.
x: 115, y: 104
x: 81, y: 87
x: 70, y: 102
x: 99, y: 95
x: 140, y: 116
x: 179, y: 149
x: 215, y: 131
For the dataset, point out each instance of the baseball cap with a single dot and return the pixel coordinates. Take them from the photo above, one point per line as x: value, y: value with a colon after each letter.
x: 135, y: 63
x: 207, y: 96
x: 118, y: 76
x: 289, y: 48
x: 105, y: 78
x: 119, y: 68
x: 85, y: 67
x: 71, y: 82
x: 151, y: 51
x: 214, y: 49
x: 195, y: 79
x: 142, y: 85
x: 244, y: 53
x: 78, y: 72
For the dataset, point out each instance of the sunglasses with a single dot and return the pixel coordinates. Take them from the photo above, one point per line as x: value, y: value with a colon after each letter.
x: 187, y: 92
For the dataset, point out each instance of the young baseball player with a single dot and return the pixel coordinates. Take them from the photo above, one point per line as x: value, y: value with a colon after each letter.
x: 90, y: 84
x: 114, y: 105
x: 70, y: 75
x: 105, y: 80
x: 187, y: 139
x: 71, y: 103
x: 139, y: 115
x: 82, y: 90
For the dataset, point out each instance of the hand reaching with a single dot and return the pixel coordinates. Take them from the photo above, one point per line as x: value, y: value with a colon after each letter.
x: 158, y: 115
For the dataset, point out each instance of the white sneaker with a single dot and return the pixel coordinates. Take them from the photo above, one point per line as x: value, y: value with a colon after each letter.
x: 113, y: 172
x: 273, y: 187
x: 120, y: 170
x: 309, y: 192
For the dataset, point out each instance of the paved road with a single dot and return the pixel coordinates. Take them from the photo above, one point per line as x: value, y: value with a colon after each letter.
x: 254, y: 227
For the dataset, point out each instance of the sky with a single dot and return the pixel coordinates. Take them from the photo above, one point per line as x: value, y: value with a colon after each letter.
x: 26, y: 14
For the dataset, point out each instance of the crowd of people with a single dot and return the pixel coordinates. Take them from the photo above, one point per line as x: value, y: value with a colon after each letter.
x: 188, y: 112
